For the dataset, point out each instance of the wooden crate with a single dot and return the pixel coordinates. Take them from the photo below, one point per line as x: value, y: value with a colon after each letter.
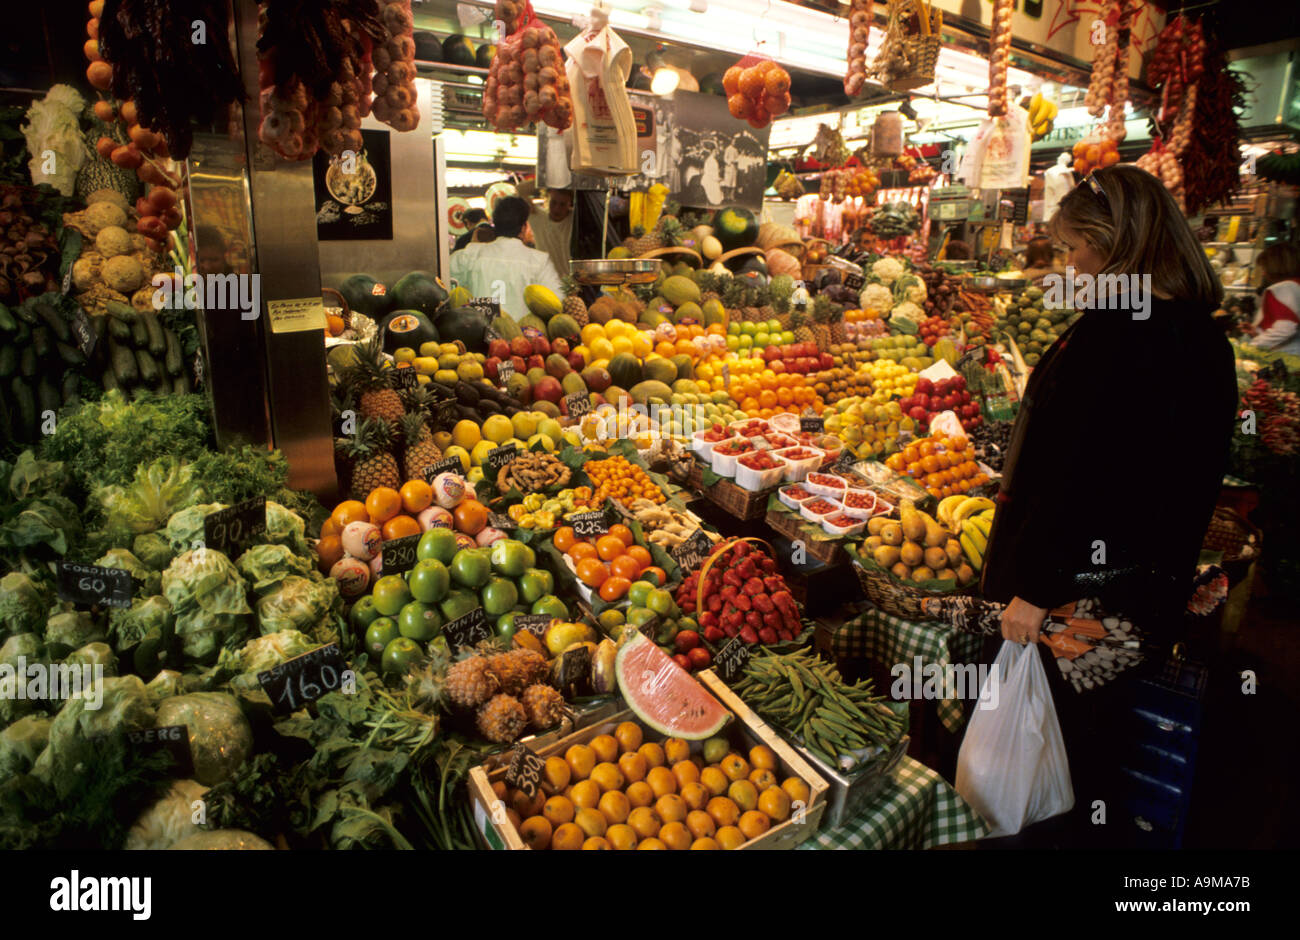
x: 739, y: 502
x: 745, y: 732
x: 793, y: 527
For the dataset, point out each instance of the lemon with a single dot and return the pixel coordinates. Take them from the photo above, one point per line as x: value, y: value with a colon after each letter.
x: 497, y: 428
x: 547, y: 443
x: 466, y: 434
x: 525, y: 424
x: 442, y: 439
x: 480, y: 452
x: 404, y: 354
x: 551, y: 428
x: 641, y: 345
x: 602, y: 348
x: 459, y: 453
x: 622, y: 345
x: 425, y: 365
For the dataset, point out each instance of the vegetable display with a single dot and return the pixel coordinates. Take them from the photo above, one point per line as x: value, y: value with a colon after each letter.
x: 526, y: 80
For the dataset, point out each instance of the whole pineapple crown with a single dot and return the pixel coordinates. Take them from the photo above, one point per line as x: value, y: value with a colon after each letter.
x: 372, y: 436
x: 367, y: 372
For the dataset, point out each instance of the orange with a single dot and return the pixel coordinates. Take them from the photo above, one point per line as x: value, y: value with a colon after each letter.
x: 559, y: 810
x: 585, y: 794
x: 580, y: 759
x: 714, y: 780
x: 700, y: 824
x: 613, y: 588
x: 564, y: 538
x: 350, y: 510
x: 556, y: 774
x: 762, y: 779
x: 641, y: 556
x: 661, y: 781
x: 526, y: 805
x: 676, y: 836
x: 416, y: 495
x: 623, y: 534
x: 753, y: 824
x: 567, y: 838
x: 605, y: 747
x: 336, y: 325
x: 628, y: 735
x: 695, y: 795
x: 614, y: 806
x: 625, y: 566
x: 400, y: 526
x: 383, y: 503
x: 743, y: 793
x: 705, y: 844
x: 640, y: 794
x: 592, y: 572
x: 655, y: 575
x: 633, y: 766
x: 723, y: 811
x: 735, y: 767
x: 609, y: 547
x: 653, y: 753
x: 621, y: 837
x: 329, y: 550
x: 644, y: 822
x: 762, y: 757
x: 671, y: 808
x: 774, y: 803
x: 729, y: 837
x: 685, y: 772
x: 536, y: 832
x: 607, y: 776
x: 330, y: 527
x: 581, y: 550
x: 649, y: 844
x: 470, y: 516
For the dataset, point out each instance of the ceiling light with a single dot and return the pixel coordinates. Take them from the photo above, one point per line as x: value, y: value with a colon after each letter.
x: 665, y: 81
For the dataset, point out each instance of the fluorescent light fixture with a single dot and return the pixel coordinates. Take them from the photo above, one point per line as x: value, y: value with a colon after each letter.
x: 665, y: 81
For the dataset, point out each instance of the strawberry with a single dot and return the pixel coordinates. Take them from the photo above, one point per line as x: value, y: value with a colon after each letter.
x: 766, y: 564
x: 742, y: 548
x: 687, y: 604
x: 784, y: 602
x: 763, y: 603
x: 730, y: 592
x: 754, y: 619
x: 743, y: 602
x: 753, y: 586
x: 773, y: 620
x: 785, y: 635
x: 709, y: 619
x: 746, y: 568
x: 749, y: 636
x: 730, y: 631
x: 714, y: 603
x: 713, y: 634
x: 767, y: 635
x: 732, y: 576
x: 774, y: 584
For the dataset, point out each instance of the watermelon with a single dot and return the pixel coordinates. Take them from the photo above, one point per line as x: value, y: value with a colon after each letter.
x: 409, y: 328
x: 735, y: 228
x: 427, y: 46
x: 418, y: 290
x: 458, y: 50
x: 485, y: 54
x: 464, y: 324
x: 663, y: 694
x: 365, y: 295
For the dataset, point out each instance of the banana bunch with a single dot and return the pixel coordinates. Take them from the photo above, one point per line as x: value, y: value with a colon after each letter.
x: 1042, y: 114
x: 970, y: 517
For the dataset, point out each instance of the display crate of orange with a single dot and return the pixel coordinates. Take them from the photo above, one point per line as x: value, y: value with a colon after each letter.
x: 497, y: 807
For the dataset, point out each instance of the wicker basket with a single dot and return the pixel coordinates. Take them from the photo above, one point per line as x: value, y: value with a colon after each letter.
x: 343, y: 302
x: 1238, y: 540
x: 892, y: 596
x: 921, y: 50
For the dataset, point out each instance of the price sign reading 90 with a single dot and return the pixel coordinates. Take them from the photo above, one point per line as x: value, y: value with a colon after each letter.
x: 234, y: 528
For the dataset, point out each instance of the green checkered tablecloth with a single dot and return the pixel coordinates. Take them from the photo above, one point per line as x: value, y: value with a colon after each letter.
x: 889, y: 640
x: 916, y: 809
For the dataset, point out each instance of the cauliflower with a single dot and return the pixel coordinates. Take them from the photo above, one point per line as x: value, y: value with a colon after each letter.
x: 887, y: 269
x: 169, y: 820
x: 102, y: 215
x: 909, y: 287
x: 908, y: 311
x: 876, y: 297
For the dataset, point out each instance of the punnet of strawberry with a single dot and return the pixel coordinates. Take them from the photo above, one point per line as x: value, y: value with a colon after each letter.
x: 744, y: 596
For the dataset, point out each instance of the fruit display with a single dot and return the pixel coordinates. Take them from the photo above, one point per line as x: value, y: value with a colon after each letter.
x: 627, y: 786
x: 540, y: 511
x: 916, y: 548
x: 741, y: 594
x: 1032, y: 324
x: 972, y: 518
x: 942, y: 465
x: 806, y: 696
x: 533, y: 471
x: 757, y: 92
x: 619, y: 479
x: 607, y: 565
x: 663, y: 524
x: 932, y: 398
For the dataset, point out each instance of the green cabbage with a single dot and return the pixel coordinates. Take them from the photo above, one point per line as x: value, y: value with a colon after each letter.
x: 71, y: 630
x: 94, y: 654
x: 159, y: 489
x: 167, y: 683
x: 149, y: 581
x: 153, y: 550
x: 284, y: 527
x: 53, y: 124
x: 185, y: 528
x: 207, y: 596
x: 297, y: 604
x: 21, y: 743
x: 266, y: 566
x: 128, y: 626
x: 26, y: 647
x: 125, y: 706
x: 220, y: 736
x: 23, y: 605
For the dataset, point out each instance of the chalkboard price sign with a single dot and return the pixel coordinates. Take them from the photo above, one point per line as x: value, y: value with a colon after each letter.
x: 234, y: 528
x: 574, y: 670
x: 577, y: 404
x: 91, y: 585
x: 399, y: 554
x: 590, y: 523
x: 505, y: 369
x: 174, y: 739
x: 535, y: 624
x: 489, y: 308
x: 845, y: 461
x: 498, y: 457
x: 405, y: 379
x: 303, y: 679
x: 524, y: 771
x: 83, y: 332
x: 813, y: 424
x: 498, y: 521
x: 731, y: 659
x: 692, y: 552
x: 467, y: 630
x: 446, y: 465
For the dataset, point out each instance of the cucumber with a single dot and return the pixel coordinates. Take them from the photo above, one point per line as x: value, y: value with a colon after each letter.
x: 27, y: 362
x: 41, y: 342
x: 119, y: 309
x: 172, y: 360
x: 8, y: 361
x: 47, y: 395
x: 7, y: 321
x: 27, y: 314
x: 24, y: 409
x: 122, y: 361
x: 150, y: 374
x: 71, y: 355
x: 54, y: 320
x: 71, y: 388
x: 119, y: 329
x: 157, y: 342
x: 139, y: 333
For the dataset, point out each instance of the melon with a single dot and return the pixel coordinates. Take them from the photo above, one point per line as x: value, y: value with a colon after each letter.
x: 643, y: 392
x: 458, y: 50
x: 685, y: 368
x: 663, y: 694
x: 409, y: 328
x: 660, y: 370
x: 464, y: 324
x: 365, y: 295
x: 689, y: 312
x: 678, y: 290
x: 428, y: 48
x: 485, y: 54
x: 625, y: 370
x: 562, y: 325
x: 418, y: 290
x: 541, y: 301
x: 735, y: 227
x: 528, y: 320
x: 459, y: 297
x: 507, y: 327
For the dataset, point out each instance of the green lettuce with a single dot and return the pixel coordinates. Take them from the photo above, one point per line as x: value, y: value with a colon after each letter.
x: 207, y: 596
x: 159, y: 489
x: 71, y: 630
x: 265, y: 566
x: 185, y: 528
x: 128, y: 626
x: 297, y: 604
x: 125, y: 706
x: 149, y: 582
x: 287, y: 528
x: 153, y: 550
x: 23, y: 605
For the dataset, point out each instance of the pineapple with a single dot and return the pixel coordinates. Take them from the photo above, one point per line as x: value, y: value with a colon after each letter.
x: 502, y: 720
x: 420, y: 451
x: 517, y: 670
x: 799, y: 324
x: 469, y: 683
x: 643, y: 242
x: 574, y: 305
x: 822, y: 313
x: 838, y: 333
x: 377, y: 398
x: 372, y: 464
x: 544, y: 705
x: 733, y: 298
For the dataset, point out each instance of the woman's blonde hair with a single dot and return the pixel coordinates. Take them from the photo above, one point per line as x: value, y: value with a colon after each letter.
x: 1137, y: 227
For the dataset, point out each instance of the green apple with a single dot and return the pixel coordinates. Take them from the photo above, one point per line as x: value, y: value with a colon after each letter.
x: 429, y: 581
x: 550, y: 605
x: 535, y: 583
x: 498, y: 595
x: 438, y: 544
x: 419, y: 621
x: 471, y: 567
x: 511, y: 557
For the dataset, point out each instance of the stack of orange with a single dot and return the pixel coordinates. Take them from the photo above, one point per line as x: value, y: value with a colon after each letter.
x: 619, y: 479
x: 609, y: 563
x: 392, y: 510
x: 765, y: 393
x: 944, y: 466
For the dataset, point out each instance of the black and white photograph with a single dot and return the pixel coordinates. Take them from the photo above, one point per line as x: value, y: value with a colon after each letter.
x: 712, y: 159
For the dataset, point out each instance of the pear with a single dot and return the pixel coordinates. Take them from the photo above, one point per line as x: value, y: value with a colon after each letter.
x: 913, y: 524
x: 936, y: 536
x: 876, y: 523
x: 886, y: 556
x: 922, y: 574
x: 936, y: 558
x: 901, y: 571
x: 872, y: 542
x: 911, y: 554
x: 965, y: 573
x: 892, y: 534
x: 952, y: 548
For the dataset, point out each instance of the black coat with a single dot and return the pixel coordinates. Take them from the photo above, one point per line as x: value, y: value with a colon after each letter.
x: 1122, y: 438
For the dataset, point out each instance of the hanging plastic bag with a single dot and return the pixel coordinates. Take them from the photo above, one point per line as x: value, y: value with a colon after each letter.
x: 1012, y: 766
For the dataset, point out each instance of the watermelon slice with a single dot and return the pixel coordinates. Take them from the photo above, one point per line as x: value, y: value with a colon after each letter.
x: 663, y: 694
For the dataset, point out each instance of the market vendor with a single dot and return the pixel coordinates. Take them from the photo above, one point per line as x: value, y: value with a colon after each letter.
x: 1040, y: 259
x: 504, y: 267
x: 1275, y: 324
x: 1125, y: 387
x: 552, y: 226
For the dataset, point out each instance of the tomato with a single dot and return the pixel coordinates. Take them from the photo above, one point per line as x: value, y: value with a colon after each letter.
x: 390, y: 593
x: 401, y: 654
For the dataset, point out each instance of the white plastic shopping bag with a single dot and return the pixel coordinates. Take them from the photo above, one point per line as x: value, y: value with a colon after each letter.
x: 1012, y: 767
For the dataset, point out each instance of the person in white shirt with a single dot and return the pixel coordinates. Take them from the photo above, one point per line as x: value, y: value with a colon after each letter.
x: 729, y: 157
x: 1277, y: 323
x: 552, y: 227
x: 503, y: 268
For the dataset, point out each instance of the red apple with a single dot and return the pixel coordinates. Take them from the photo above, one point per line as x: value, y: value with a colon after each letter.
x: 548, y: 389
x: 826, y: 360
x: 499, y: 349
x: 521, y: 346
x: 576, y: 362
x: 490, y: 367
x: 561, y: 346
x: 541, y: 347
x: 924, y: 386
x: 520, y: 364
x: 918, y: 414
x: 536, y: 362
